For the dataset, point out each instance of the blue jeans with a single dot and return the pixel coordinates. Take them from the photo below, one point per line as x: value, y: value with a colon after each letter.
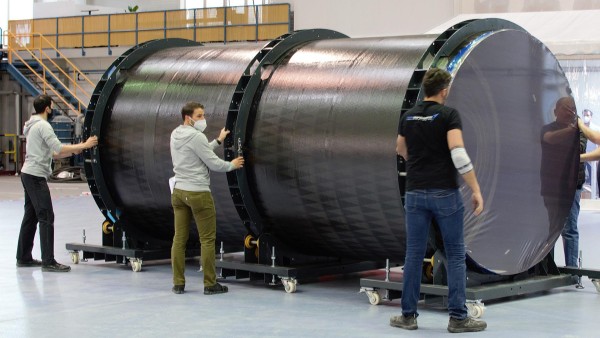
x: 570, y: 234
x: 446, y: 207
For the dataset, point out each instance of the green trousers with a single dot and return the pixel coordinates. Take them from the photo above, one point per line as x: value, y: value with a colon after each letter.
x: 200, y: 205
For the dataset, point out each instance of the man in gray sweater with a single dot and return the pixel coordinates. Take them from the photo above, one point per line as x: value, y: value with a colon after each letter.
x: 193, y: 158
x: 42, y: 145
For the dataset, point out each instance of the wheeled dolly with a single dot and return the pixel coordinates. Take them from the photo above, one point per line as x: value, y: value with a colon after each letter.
x: 118, y: 252
x: 262, y: 261
x: 480, y: 287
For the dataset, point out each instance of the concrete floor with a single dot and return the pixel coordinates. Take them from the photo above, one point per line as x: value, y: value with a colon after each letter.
x: 98, y: 299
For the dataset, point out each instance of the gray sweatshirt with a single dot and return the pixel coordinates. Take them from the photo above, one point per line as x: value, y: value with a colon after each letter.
x: 193, y: 158
x: 41, y: 144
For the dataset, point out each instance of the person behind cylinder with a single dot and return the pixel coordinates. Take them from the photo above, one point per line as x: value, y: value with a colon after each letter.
x: 193, y: 158
x: 570, y: 233
x: 592, y: 176
x: 593, y: 135
x: 430, y: 139
x: 41, y: 147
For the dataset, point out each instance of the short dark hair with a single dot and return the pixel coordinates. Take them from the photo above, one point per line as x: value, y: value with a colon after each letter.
x: 587, y: 110
x: 41, y: 102
x: 435, y: 81
x: 188, y: 109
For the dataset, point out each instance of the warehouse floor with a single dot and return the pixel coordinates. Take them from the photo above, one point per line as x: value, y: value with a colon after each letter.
x: 98, y: 299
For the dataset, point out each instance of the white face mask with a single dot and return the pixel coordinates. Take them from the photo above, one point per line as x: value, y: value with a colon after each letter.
x: 586, y: 119
x: 200, y: 125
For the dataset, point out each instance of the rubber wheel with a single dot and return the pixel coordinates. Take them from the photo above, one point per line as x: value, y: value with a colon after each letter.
x: 475, y: 310
x: 248, y: 242
x: 75, y: 257
x: 136, y: 266
x: 596, y: 283
x: 429, y: 272
x: 289, y: 286
x: 374, y: 297
x: 107, y: 227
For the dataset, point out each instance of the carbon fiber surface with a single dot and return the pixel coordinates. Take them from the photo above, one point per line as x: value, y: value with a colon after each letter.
x: 145, y: 108
x: 321, y: 158
x: 323, y: 147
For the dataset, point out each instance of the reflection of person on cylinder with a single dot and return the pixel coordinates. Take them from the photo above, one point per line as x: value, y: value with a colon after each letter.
x: 558, y: 149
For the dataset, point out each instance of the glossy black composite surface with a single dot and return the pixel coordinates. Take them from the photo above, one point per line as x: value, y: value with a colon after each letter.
x: 506, y: 88
x: 144, y: 109
x: 321, y: 158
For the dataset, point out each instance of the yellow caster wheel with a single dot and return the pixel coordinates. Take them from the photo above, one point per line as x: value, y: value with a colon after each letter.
x: 107, y: 227
x: 248, y: 242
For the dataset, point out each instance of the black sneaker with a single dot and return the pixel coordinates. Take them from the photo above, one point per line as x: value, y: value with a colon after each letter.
x: 55, y: 267
x: 178, y: 289
x: 28, y: 264
x: 466, y: 325
x: 213, y: 290
x: 407, y: 323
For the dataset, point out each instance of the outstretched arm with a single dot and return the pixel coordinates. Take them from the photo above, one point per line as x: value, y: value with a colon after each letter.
x: 591, y: 134
x: 462, y: 162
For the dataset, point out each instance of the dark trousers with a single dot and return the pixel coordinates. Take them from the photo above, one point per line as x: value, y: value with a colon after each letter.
x: 38, y: 209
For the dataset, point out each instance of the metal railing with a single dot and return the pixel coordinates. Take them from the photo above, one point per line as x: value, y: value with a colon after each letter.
x: 46, y: 62
x: 7, y: 153
x: 220, y: 24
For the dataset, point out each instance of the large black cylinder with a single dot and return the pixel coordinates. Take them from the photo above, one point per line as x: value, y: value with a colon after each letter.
x: 320, y: 134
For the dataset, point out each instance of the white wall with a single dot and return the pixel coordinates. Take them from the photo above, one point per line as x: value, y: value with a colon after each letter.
x: 359, y: 18
x: 58, y: 9
x: 144, y: 5
x: 511, y: 6
x: 80, y: 7
x: 4, y: 15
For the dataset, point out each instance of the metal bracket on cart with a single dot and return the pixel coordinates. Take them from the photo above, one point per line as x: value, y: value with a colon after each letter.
x: 593, y: 275
x: 132, y: 257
